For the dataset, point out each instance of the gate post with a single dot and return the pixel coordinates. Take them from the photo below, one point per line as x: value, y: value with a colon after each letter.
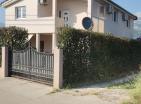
x: 4, y: 64
x: 58, y: 69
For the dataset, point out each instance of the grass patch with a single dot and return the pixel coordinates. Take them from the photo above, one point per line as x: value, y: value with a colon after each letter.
x: 134, y: 87
x: 136, y: 92
x: 125, y: 85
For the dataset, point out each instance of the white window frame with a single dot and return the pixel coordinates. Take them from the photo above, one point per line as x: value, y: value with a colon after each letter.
x: 22, y: 14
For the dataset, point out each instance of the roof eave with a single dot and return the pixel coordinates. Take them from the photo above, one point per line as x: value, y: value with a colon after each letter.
x: 7, y: 3
x: 121, y: 8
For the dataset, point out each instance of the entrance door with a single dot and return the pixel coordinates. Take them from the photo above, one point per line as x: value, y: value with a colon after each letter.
x: 66, y: 18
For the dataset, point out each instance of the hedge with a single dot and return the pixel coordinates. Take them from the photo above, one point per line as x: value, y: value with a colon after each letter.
x: 94, y: 57
x: 13, y: 37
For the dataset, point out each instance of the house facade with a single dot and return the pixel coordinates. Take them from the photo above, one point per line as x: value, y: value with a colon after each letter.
x: 42, y: 18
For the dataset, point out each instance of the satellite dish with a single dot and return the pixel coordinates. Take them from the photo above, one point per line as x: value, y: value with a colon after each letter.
x: 87, y: 23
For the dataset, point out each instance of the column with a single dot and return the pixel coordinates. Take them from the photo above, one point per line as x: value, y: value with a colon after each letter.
x: 38, y: 42
x: 4, y: 63
x: 58, y: 54
x: 90, y: 3
x: 54, y: 8
x: 58, y: 69
x: 54, y: 14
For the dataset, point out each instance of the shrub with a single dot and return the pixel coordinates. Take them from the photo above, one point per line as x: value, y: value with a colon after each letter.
x: 14, y: 37
x: 93, y: 57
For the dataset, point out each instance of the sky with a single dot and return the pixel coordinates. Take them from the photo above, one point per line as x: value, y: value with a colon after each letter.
x: 131, y: 5
x: 1, y: 14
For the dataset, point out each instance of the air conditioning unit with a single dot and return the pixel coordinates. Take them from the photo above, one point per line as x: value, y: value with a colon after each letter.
x: 109, y: 9
x: 43, y: 2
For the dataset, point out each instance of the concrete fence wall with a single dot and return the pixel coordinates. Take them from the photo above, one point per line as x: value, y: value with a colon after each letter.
x: 58, y: 67
x: 4, y: 63
x: 0, y: 56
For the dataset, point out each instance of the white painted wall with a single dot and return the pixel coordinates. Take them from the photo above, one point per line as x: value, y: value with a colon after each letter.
x: 39, y: 18
x: 77, y: 10
x: 118, y: 28
x: 35, y: 21
x: 45, y: 10
x: 107, y: 25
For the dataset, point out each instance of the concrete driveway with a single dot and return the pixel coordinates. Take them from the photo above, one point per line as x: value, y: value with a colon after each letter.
x: 17, y: 91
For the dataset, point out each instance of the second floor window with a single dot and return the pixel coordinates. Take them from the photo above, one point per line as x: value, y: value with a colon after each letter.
x: 115, y: 16
x: 20, y: 12
x: 128, y: 24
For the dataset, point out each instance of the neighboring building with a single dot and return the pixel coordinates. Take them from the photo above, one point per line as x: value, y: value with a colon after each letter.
x: 43, y: 17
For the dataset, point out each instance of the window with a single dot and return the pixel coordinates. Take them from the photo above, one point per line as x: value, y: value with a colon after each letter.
x: 115, y: 16
x: 20, y: 12
x: 123, y: 17
x: 101, y: 11
x: 128, y: 23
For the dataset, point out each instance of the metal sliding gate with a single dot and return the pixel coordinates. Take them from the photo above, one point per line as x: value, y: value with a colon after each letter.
x: 32, y: 65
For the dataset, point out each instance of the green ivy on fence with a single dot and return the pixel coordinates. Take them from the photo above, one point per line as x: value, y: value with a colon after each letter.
x: 93, y: 57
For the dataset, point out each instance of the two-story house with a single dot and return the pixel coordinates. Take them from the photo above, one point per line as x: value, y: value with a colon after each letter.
x: 43, y: 17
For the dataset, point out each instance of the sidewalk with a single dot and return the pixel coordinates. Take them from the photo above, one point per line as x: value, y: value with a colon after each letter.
x: 17, y: 91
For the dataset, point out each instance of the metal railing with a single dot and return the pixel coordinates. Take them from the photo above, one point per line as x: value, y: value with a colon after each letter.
x: 33, y: 65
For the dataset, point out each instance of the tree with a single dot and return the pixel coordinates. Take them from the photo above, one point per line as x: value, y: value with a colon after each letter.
x: 14, y: 37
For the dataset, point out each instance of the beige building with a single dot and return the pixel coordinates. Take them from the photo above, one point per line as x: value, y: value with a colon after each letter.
x: 43, y: 17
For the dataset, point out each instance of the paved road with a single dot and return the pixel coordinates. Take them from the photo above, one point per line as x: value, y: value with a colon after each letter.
x: 17, y: 91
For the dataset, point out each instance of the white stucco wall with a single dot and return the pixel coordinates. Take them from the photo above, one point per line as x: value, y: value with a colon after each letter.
x: 118, y: 28
x: 107, y: 25
x: 46, y: 10
x: 35, y: 21
x: 39, y: 18
x: 30, y: 9
x: 97, y: 21
x: 77, y: 10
